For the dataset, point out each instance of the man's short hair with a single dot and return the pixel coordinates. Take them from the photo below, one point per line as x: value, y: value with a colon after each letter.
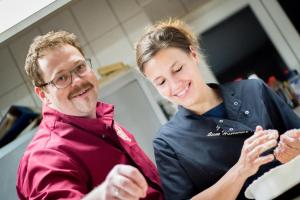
x: 39, y: 47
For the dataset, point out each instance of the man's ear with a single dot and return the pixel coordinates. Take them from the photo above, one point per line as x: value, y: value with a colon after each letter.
x: 194, y: 54
x: 41, y: 94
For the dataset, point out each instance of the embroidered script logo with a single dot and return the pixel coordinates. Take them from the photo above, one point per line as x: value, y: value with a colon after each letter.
x: 225, y: 133
x: 213, y: 134
x: 121, y: 133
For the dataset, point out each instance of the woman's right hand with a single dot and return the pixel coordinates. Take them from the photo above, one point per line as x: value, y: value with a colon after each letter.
x: 251, y: 159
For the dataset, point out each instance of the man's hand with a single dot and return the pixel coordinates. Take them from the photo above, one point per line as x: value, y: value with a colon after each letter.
x: 289, y: 146
x: 122, y: 182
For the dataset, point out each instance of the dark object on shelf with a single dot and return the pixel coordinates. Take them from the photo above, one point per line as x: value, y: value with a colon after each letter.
x: 284, y: 90
x: 14, y: 122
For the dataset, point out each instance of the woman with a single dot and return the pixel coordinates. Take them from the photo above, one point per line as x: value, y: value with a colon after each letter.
x: 213, y: 147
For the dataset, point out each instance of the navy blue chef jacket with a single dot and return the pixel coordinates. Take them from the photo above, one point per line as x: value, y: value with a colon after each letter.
x: 193, y: 151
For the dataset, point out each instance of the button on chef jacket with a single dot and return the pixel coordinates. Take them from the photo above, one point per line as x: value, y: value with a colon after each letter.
x: 69, y: 156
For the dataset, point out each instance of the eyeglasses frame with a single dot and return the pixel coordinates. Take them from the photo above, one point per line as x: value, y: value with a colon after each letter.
x: 88, y: 60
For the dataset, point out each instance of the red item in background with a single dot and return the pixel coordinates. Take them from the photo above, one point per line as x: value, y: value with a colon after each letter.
x: 272, y: 81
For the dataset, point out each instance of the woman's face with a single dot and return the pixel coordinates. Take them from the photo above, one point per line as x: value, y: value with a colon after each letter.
x: 176, y: 76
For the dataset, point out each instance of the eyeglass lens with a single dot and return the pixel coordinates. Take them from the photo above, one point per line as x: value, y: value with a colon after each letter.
x: 65, y: 79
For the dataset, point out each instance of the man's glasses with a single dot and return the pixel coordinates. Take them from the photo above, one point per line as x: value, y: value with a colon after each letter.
x: 63, y: 80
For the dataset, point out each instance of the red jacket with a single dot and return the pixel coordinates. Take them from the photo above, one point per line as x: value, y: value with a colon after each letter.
x: 69, y: 156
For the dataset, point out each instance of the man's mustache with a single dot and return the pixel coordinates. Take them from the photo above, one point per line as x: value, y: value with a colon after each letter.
x: 78, y: 89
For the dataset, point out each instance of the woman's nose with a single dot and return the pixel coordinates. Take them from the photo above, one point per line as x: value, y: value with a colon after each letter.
x: 174, y: 84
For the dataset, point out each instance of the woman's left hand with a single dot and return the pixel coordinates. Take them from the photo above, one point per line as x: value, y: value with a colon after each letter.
x: 251, y: 158
x: 288, y: 146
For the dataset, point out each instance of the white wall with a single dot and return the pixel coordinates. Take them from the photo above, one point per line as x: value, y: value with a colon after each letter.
x: 107, y: 29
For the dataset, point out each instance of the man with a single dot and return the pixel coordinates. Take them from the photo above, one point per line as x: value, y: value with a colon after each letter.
x: 79, y: 151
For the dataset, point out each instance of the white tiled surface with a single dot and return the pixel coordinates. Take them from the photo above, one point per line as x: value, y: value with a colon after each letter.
x: 95, y: 17
x: 9, y: 74
x: 20, y: 45
x: 19, y: 48
x: 66, y: 22
x: 143, y: 2
x: 135, y: 26
x: 161, y: 9
x: 124, y: 9
x: 192, y: 4
x: 113, y: 47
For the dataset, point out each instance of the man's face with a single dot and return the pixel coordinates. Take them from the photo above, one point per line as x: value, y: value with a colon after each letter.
x: 77, y: 99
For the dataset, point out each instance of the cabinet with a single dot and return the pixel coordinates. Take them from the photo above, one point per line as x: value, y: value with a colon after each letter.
x: 29, y: 12
x: 135, y: 107
x: 10, y: 155
x: 286, y: 15
x: 240, y: 37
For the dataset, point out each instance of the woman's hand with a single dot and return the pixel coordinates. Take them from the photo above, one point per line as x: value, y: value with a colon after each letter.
x: 229, y: 186
x: 251, y: 159
x: 289, y: 146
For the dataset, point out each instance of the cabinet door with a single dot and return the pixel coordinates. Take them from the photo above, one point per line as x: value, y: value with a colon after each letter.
x: 10, y: 156
x: 134, y: 111
x: 286, y: 15
x: 236, y: 47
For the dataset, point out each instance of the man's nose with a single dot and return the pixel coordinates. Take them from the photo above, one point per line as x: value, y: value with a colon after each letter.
x: 75, y: 78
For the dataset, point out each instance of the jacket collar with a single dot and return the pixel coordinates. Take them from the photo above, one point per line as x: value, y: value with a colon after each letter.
x: 105, y: 114
x: 229, y: 95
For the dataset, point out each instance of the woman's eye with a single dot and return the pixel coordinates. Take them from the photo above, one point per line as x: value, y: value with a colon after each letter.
x: 161, y: 82
x: 178, y: 69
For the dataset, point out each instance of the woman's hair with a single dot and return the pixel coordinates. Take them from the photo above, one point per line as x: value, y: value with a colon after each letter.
x: 39, y: 47
x: 162, y: 35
